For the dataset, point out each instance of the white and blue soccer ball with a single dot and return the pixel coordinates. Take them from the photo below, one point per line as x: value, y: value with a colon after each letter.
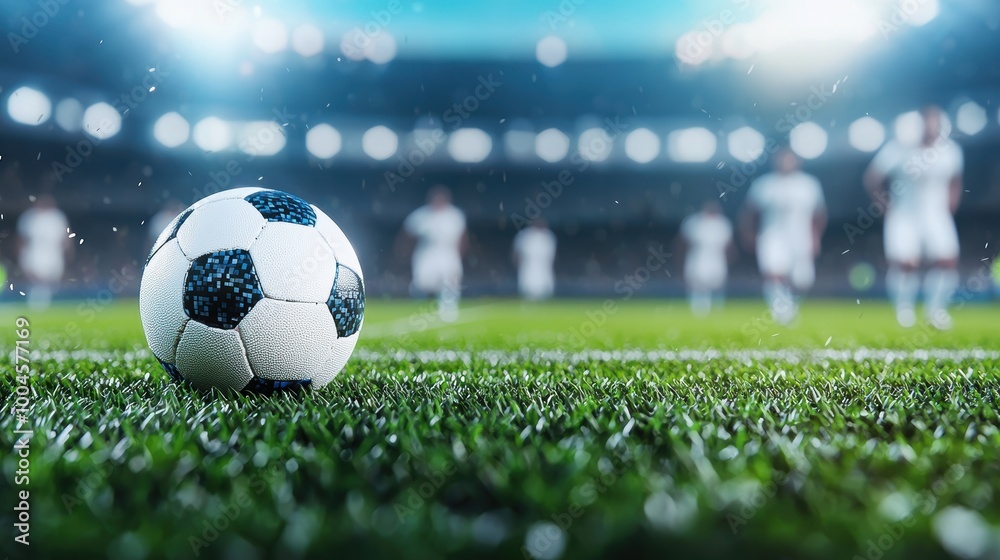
x: 252, y: 289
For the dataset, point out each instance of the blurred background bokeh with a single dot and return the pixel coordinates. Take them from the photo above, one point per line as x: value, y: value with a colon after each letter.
x: 610, y: 120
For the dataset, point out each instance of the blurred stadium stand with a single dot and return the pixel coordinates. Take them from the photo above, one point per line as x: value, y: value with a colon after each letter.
x: 609, y: 212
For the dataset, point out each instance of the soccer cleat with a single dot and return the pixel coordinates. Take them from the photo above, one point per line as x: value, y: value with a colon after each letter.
x: 906, y: 317
x: 785, y: 315
x: 940, y: 320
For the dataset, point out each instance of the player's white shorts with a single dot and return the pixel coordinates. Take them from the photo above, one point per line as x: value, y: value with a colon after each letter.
x: 535, y: 282
x: 780, y: 255
x: 42, y: 266
x: 912, y: 236
x: 704, y: 273
x: 437, y: 271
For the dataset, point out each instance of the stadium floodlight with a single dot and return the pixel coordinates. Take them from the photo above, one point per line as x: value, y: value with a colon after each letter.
x: 261, y: 138
x: 746, y: 144
x: 551, y: 51
x: 866, y: 134
x: 796, y: 33
x: 693, y: 48
x: 595, y: 144
x: 693, y: 145
x: 379, y: 142
x: 551, y: 145
x: 176, y: 13
x: 307, y: 40
x: 736, y: 42
x: 381, y: 48
x: 519, y: 140
x: 270, y: 36
x: 69, y: 114
x: 919, y: 13
x: 642, y: 145
x: 323, y: 141
x: 212, y: 134
x: 469, y: 145
x: 29, y: 106
x: 971, y: 118
x: 808, y: 140
x: 102, y: 121
x: 171, y: 130
x: 817, y: 22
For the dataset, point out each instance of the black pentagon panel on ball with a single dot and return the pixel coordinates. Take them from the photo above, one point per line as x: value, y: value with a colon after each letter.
x: 269, y: 386
x: 347, y: 301
x: 278, y: 206
x: 221, y: 288
x: 171, y: 370
x: 173, y: 232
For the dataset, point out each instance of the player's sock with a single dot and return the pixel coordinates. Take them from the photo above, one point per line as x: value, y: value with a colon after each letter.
x: 701, y: 302
x: 903, y: 287
x: 778, y: 296
x: 939, y: 285
x: 448, y: 304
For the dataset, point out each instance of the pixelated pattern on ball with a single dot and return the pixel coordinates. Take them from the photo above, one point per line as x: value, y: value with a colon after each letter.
x: 347, y: 301
x: 171, y: 370
x: 221, y: 288
x: 173, y: 232
x: 268, y: 386
x: 282, y: 207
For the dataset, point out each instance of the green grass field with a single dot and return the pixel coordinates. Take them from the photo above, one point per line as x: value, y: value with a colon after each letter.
x: 578, y: 429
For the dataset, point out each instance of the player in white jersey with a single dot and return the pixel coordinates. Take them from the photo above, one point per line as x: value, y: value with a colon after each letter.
x: 534, y: 254
x: 784, y: 219
x: 44, y: 243
x: 924, y: 188
x: 439, y: 231
x: 707, y: 237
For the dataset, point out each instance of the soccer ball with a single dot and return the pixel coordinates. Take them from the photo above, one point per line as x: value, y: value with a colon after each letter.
x: 252, y: 289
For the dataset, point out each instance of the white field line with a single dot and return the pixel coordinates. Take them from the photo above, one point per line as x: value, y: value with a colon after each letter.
x: 494, y: 357
x: 405, y: 325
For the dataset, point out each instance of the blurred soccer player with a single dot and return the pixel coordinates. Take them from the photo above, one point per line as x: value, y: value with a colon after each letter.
x: 923, y: 194
x: 707, y: 236
x: 439, y: 231
x: 43, y: 245
x: 784, y: 219
x: 534, y: 254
